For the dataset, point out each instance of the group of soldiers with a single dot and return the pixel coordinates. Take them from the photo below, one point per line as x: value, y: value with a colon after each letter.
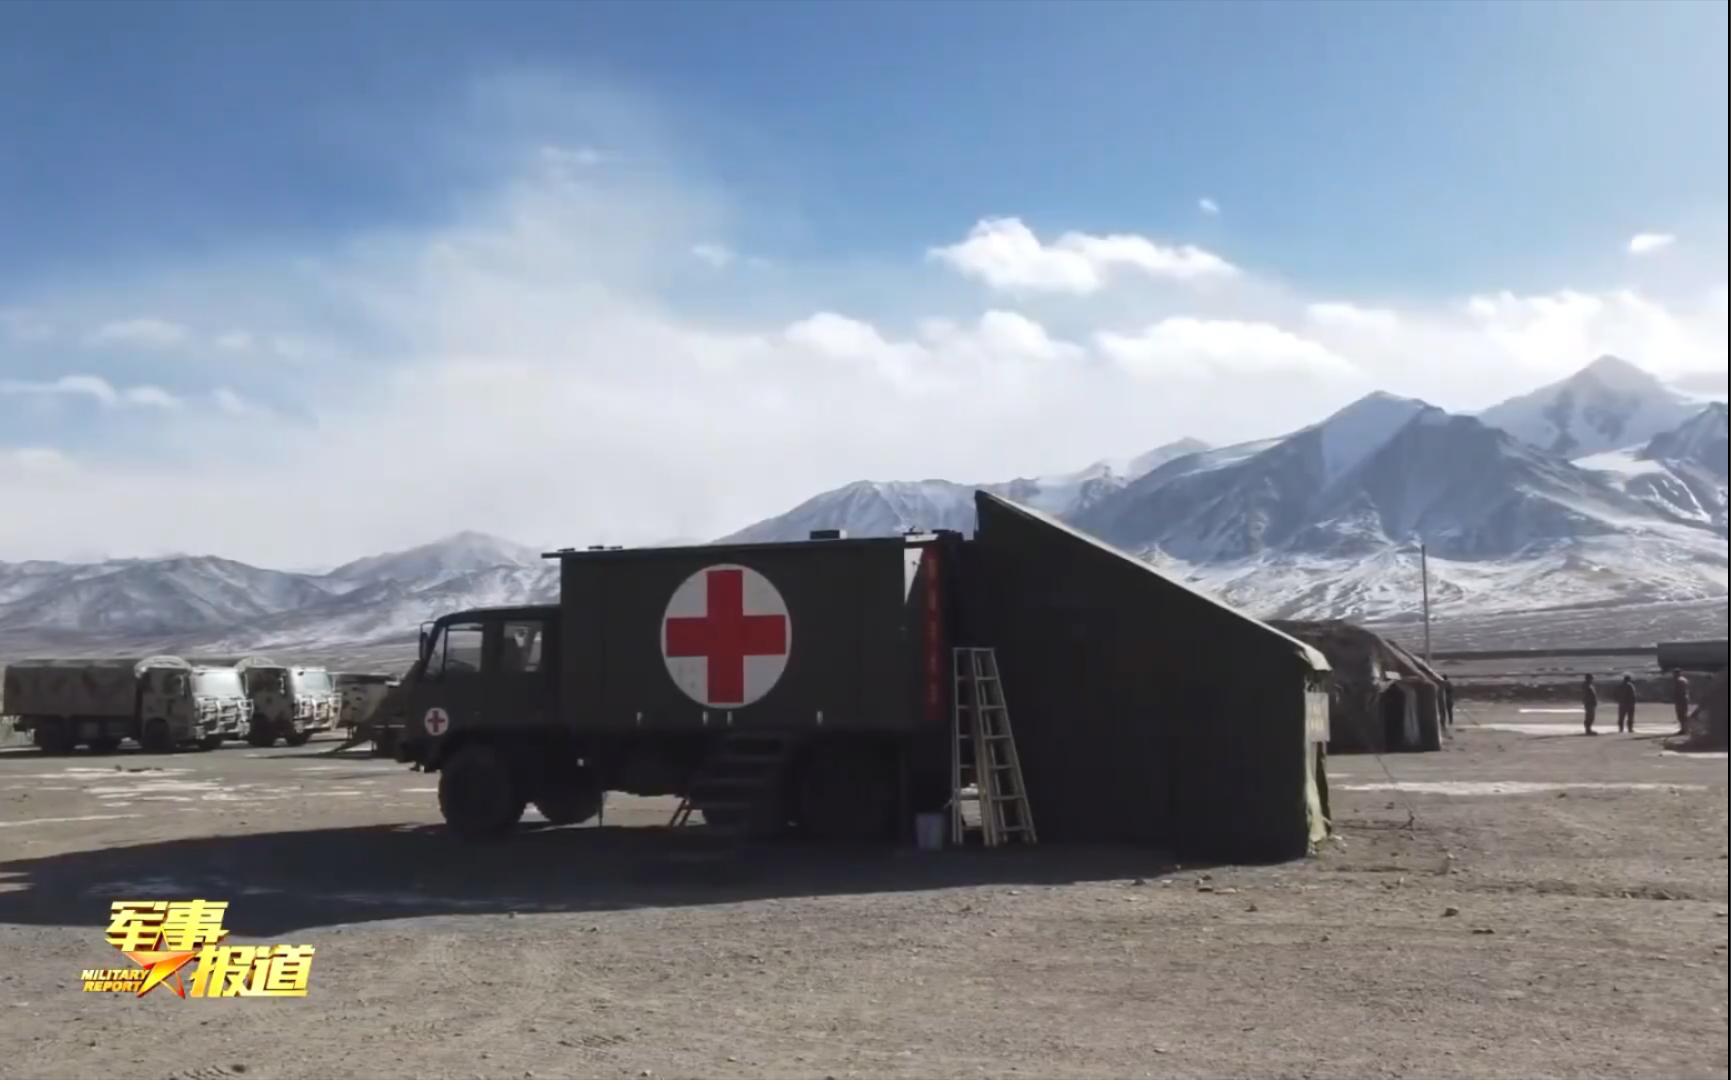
x: 1624, y: 695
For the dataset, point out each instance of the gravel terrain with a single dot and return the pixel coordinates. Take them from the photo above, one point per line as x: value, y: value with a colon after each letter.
x: 1529, y: 902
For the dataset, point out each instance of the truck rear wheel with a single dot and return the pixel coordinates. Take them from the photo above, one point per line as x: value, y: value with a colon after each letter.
x: 572, y: 803
x: 478, y: 796
x: 55, y: 737
x: 104, y: 744
x: 848, y: 795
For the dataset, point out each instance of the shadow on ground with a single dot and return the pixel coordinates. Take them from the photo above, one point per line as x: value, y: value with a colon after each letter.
x: 278, y: 882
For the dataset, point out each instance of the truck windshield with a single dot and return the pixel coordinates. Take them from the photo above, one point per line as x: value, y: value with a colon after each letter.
x: 218, y: 683
x: 312, y: 682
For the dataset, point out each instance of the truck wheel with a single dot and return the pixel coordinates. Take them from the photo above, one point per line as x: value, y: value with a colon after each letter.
x: 298, y: 738
x: 848, y: 795
x: 210, y: 742
x: 104, y: 744
x: 55, y: 737
x: 477, y: 794
x: 260, y: 737
x: 571, y: 805
x: 156, y: 738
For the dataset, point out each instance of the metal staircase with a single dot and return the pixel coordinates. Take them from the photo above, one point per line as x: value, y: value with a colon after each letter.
x: 984, y: 766
x: 737, y: 786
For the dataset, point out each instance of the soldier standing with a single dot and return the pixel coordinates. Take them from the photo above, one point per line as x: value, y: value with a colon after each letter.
x: 1589, y: 701
x: 1626, y: 704
x: 1680, y: 699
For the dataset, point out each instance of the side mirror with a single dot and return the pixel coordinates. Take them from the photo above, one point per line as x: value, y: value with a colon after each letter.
x: 426, y: 640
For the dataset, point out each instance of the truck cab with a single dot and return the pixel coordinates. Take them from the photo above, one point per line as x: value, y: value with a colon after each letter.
x: 489, y: 668
x: 480, y: 705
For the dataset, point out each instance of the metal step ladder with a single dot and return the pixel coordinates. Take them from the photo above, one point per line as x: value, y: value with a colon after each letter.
x: 984, y: 766
x: 735, y: 784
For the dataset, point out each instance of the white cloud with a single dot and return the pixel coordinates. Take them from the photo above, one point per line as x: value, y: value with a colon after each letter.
x: 91, y: 386
x: 1352, y: 316
x: 520, y: 368
x: 1646, y: 243
x: 23, y: 327
x: 580, y: 157
x: 1208, y: 206
x: 1005, y: 254
x: 1188, y: 346
x: 33, y: 462
x: 716, y: 255
x: 141, y: 333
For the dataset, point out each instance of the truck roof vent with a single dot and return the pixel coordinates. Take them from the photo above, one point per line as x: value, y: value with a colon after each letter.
x: 828, y: 534
x: 597, y: 547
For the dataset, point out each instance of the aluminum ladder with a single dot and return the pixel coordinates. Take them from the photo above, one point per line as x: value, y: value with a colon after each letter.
x: 984, y: 766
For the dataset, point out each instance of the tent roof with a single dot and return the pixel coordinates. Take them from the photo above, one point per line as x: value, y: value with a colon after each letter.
x: 1307, y: 654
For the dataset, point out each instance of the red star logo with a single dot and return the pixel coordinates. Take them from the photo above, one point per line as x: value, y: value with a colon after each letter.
x: 161, y: 965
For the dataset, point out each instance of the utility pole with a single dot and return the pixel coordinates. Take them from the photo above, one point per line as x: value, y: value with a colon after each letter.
x: 1424, y: 585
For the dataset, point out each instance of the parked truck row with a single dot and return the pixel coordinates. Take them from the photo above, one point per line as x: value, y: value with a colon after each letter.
x: 169, y: 703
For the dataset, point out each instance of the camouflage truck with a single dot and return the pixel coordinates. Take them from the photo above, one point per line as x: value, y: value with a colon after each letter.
x: 358, y: 695
x: 162, y: 702
x: 288, y: 703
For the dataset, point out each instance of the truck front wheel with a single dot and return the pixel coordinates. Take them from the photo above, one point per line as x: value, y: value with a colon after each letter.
x: 477, y: 794
x: 156, y: 739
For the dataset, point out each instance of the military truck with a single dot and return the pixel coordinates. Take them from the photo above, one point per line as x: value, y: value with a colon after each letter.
x: 812, y: 687
x: 288, y: 703
x: 358, y: 694
x: 162, y: 702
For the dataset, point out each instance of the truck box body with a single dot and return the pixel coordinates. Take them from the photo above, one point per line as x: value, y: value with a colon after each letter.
x: 835, y: 635
x: 74, y: 688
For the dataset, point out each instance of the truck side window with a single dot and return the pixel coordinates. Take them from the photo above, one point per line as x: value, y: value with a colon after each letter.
x: 462, y: 649
x: 456, y: 650
x: 520, y: 647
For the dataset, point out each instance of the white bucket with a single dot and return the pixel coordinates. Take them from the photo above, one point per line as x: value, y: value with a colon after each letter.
x: 929, y: 830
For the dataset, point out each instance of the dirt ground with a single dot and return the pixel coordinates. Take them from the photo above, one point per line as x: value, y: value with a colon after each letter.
x: 1529, y: 902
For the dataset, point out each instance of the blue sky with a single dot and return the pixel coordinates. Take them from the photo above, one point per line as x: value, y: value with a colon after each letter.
x: 181, y: 175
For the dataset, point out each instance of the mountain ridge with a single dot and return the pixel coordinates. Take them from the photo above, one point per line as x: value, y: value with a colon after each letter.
x: 1324, y: 521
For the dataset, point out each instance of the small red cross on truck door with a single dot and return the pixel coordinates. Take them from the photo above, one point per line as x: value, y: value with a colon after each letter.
x: 726, y: 636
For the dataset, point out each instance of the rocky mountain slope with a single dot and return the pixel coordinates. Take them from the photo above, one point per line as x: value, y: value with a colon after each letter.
x: 1325, y: 521
x: 1680, y: 473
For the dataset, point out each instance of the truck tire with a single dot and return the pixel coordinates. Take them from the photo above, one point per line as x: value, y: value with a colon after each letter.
x: 210, y: 742
x: 55, y: 737
x: 478, y: 796
x: 104, y: 744
x: 156, y: 738
x: 847, y: 795
x: 572, y: 803
x: 260, y: 737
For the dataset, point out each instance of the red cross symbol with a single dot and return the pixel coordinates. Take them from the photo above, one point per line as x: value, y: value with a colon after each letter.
x: 725, y: 635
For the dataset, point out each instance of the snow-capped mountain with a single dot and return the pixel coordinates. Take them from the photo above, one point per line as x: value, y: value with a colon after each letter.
x: 889, y: 508
x: 151, y: 596
x: 1608, y: 405
x: 1680, y: 472
x: 431, y: 564
x: 1326, y: 521
x: 242, y: 607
